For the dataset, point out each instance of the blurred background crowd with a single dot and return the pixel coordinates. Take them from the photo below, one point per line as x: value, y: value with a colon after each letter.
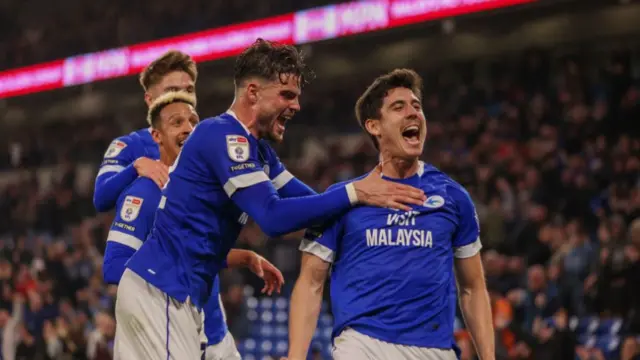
x: 546, y: 139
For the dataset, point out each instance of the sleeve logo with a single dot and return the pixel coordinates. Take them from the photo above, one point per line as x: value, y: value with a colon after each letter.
x: 131, y: 208
x: 114, y: 149
x: 238, y: 148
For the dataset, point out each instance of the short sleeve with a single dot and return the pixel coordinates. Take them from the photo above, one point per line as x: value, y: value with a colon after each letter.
x: 231, y: 156
x: 134, y: 215
x: 322, y: 241
x: 120, y: 153
x: 466, y: 241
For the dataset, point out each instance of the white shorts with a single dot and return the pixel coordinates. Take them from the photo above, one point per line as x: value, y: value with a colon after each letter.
x: 352, y: 345
x: 224, y: 350
x: 151, y: 325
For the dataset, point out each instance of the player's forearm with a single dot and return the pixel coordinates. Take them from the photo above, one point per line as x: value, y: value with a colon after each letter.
x: 306, y: 302
x: 294, y: 188
x: 238, y: 258
x: 476, y: 310
x: 110, y: 185
x: 277, y: 216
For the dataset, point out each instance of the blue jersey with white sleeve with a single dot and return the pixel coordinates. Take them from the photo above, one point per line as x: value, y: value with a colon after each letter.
x: 392, y: 274
x: 135, y: 213
x: 217, y: 182
x: 116, y: 172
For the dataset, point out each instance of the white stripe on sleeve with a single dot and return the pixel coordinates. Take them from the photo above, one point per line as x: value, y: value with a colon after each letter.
x: 243, y: 181
x: 468, y: 250
x: 124, y: 239
x: 317, y: 249
x: 110, y: 168
x: 282, y: 179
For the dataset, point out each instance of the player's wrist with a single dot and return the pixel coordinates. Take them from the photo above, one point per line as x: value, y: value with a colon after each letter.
x: 352, y: 193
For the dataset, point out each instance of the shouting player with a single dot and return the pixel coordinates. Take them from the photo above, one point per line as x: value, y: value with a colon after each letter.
x: 225, y: 173
x: 137, y: 155
x: 172, y: 117
x: 392, y: 273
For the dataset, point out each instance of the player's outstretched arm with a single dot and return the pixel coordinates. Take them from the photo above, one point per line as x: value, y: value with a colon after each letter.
x: 475, y: 305
x: 236, y: 166
x: 306, y: 302
x: 273, y: 279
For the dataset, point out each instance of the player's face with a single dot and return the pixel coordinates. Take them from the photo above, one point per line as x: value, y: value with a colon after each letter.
x: 173, y: 81
x: 402, y: 128
x: 277, y: 102
x: 177, y: 122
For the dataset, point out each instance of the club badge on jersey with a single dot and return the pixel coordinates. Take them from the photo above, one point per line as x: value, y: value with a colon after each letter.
x: 434, y: 202
x: 114, y: 149
x: 238, y: 148
x: 131, y: 208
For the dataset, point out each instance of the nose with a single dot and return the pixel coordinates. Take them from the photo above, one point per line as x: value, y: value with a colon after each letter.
x: 295, y: 105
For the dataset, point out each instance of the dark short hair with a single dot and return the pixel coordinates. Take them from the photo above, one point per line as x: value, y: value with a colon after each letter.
x: 369, y: 105
x: 171, y: 61
x: 164, y: 100
x: 270, y: 61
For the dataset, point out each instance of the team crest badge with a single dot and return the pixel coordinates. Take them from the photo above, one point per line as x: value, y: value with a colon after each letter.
x: 434, y: 202
x: 238, y: 148
x: 114, y: 149
x: 131, y: 208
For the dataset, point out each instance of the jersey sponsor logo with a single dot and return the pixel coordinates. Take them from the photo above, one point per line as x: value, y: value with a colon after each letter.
x: 434, y: 202
x: 114, y: 149
x: 399, y: 232
x: 131, y: 208
x: 238, y: 148
x: 399, y: 237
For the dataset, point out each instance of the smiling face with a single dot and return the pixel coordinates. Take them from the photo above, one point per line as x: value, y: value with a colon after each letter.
x: 177, y: 121
x: 276, y: 103
x: 401, y: 129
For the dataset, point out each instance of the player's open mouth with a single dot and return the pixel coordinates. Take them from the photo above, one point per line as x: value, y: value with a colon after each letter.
x: 411, y: 134
x: 282, y: 121
x: 181, y: 142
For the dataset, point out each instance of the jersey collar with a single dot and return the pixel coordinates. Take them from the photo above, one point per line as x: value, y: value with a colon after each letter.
x: 420, y: 169
x: 233, y: 115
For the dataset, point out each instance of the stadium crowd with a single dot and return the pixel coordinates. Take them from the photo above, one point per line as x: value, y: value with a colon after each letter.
x: 552, y: 163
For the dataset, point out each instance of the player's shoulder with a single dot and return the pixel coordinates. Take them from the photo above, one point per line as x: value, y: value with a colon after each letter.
x: 119, y: 145
x: 433, y: 175
x: 219, y: 129
x: 222, y: 124
x: 144, y: 190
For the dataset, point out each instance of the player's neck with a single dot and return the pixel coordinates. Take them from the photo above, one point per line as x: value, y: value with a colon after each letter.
x: 246, y: 116
x: 399, y: 168
x: 165, y: 158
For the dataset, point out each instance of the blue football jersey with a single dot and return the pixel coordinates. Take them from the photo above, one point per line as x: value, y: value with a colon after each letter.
x: 392, y: 274
x: 118, y: 160
x: 135, y: 213
x: 220, y: 166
